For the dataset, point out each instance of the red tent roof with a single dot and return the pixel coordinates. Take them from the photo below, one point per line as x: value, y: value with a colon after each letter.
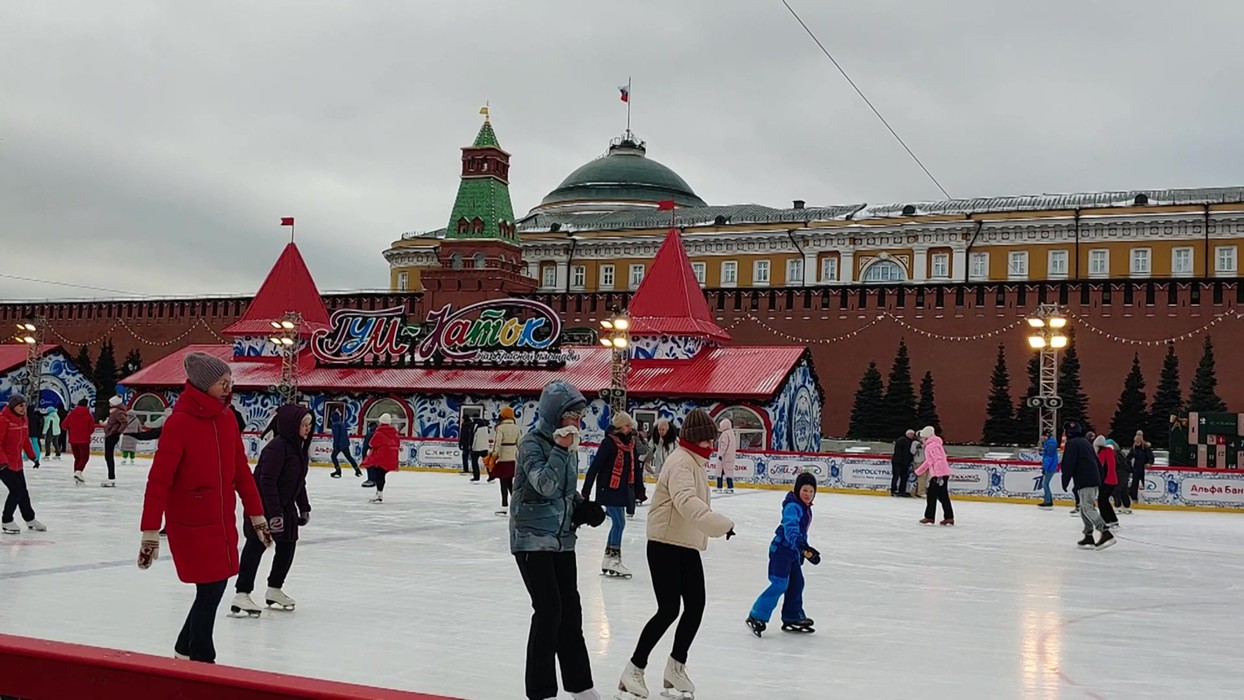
x: 13, y: 355
x: 719, y: 373
x: 288, y: 287
x: 669, y: 301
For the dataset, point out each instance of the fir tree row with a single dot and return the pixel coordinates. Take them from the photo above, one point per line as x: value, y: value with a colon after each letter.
x: 884, y: 410
x: 104, y: 373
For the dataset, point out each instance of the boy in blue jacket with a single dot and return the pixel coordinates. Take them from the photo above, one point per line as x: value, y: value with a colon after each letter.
x: 786, y: 554
x: 1049, y: 465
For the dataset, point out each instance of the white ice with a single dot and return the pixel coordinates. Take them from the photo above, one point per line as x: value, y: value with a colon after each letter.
x: 421, y: 593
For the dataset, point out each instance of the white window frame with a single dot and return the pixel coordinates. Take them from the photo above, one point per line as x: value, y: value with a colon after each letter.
x: 1135, y: 255
x: 751, y: 433
x: 399, y: 415
x: 578, y: 277
x: 1221, y: 269
x: 1061, y: 256
x: 940, y: 266
x: 608, y: 277
x: 829, y: 269
x: 1017, y: 265
x: 794, y: 272
x: 1102, y: 254
x: 1175, y: 271
x: 729, y: 273
x: 548, y: 276
x: 759, y: 280
x: 635, y: 275
x: 403, y: 281
x: 978, y: 265
x: 700, y: 270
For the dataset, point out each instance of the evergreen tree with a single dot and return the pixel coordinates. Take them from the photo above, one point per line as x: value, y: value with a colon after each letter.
x: 1204, y: 395
x: 999, y: 420
x: 899, y: 404
x: 1167, y: 401
x: 105, y: 378
x: 1026, y: 416
x: 926, y: 411
x: 1130, y: 415
x: 868, y: 413
x: 1075, y: 403
x: 83, y: 362
x: 133, y: 363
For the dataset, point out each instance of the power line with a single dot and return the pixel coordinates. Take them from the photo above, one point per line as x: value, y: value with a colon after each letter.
x: 69, y: 284
x: 865, y: 98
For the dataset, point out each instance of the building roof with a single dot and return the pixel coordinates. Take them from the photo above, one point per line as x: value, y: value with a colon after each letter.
x: 670, y: 301
x: 288, y: 287
x: 624, y: 175
x: 13, y: 355
x: 484, y: 197
x: 724, y: 373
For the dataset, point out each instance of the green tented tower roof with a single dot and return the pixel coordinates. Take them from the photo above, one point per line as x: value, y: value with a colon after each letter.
x: 482, y: 208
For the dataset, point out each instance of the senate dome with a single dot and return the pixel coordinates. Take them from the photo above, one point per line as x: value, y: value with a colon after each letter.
x: 624, y: 177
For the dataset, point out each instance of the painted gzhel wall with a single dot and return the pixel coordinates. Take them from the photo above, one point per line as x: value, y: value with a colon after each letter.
x: 61, y: 384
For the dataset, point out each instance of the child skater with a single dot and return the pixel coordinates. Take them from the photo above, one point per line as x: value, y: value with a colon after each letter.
x: 381, y: 456
x: 1108, y: 460
x: 938, y: 467
x: 786, y: 554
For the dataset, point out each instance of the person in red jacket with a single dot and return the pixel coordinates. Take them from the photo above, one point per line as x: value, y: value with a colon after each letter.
x: 198, y: 472
x: 80, y: 425
x: 382, y: 455
x: 1108, y: 459
x: 15, y: 441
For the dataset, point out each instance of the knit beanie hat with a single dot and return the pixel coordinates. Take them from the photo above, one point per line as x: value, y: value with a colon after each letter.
x: 507, y: 413
x: 16, y: 400
x: 114, y: 401
x: 697, y: 427
x: 805, y: 479
x: 620, y: 419
x: 927, y: 432
x: 386, y: 419
x: 203, y: 370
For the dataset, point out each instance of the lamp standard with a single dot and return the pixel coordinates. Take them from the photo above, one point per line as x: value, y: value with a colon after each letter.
x: 30, y: 334
x: 616, y: 336
x: 1046, y: 336
x: 285, y: 338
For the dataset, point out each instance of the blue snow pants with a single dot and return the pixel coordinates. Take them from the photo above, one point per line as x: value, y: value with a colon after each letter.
x: 785, y: 579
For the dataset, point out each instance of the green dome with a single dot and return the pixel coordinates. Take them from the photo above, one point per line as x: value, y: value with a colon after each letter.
x: 624, y: 176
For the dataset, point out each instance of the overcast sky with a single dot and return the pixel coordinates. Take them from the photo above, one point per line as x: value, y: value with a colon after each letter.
x: 152, y: 146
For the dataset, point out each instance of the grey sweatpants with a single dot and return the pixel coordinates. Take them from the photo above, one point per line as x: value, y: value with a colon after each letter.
x: 1088, y: 510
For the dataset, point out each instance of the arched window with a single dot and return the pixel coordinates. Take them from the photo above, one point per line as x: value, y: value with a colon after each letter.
x: 749, y: 427
x: 148, y: 407
x: 478, y: 261
x: 884, y: 271
x: 391, y: 407
x: 455, y: 261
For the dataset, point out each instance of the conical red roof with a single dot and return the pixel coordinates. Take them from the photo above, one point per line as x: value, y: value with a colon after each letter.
x: 288, y: 287
x: 669, y: 301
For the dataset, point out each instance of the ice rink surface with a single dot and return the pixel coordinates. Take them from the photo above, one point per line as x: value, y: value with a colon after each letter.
x: 421, y: 593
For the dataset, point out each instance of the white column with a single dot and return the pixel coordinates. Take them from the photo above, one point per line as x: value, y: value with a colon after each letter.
x: 846, y: 266
x: 920, y: 265
x: 811, y: 272
x: 563, y: 272
x: 959, y: 265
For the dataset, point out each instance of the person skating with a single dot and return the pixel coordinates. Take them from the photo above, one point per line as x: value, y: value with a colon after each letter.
x: 1139, y: 459
x: 787, y: 552
x: 1080, y: 466
x: 281, y: 475
x: 62, y: 413
x: 118, y: 418
x: 382, y: 456
x: 466, y: 442
x: 619, y: 482
x: 938, y: 467
x: 1107, y: 457
x: 129, y: 438
x: 505, y: 455
x: 680, y: 521
x: 366, y: 449
x: 80, y: 426
x: 196, y: 477
x: 664, y: 440
x: 917, y: 458
x: 14, y: 442
x: 341, y: 446
x: 1049, y: 466
x: 34, y: 426
x: 481, y: 443
x: 727, y: 454
x: 51, y: 432
x: 544, y: 513
x: 900, y: 464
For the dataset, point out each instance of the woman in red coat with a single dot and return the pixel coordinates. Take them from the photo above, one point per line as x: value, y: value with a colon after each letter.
x: 382, y: 455
x: 199, y: 470
x: 80, y: 425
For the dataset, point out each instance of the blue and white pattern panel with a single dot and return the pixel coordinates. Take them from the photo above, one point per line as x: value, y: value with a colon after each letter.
x: 60, y: 385
x: 257, y: 408
x: 796, y: 413
x: 666, y: 347
x: 259, y: 346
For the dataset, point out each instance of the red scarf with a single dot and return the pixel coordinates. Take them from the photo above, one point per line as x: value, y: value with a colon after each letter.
x: 692, y: 447
x: 623, y: 450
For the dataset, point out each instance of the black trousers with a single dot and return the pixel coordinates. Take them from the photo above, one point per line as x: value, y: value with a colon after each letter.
x: 19, y: 495
x: 343, y: 451
x: 507, y: 486
x: 475, y: 457
x: 51, y: 442
x: 110, y: 457
x: 252, y: 553
x: 466, y: 460
x: 677, y: 575
x: 899, y: 474
x: 1103, y: 504
x: 1138, y: 481
x: 556, y: 635
x: 376, y: 474
x: 195, y: 639
x: 939, y: 492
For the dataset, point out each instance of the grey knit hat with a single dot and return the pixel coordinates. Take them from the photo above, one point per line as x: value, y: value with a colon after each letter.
x: 203, y: 370
x: 16, y: 400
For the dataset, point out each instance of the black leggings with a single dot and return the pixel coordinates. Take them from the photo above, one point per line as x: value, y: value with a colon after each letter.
x: 507, y: 486
x: 350, y: 458
x: 556, y: 633
x: 252, y: 553
x: 19, y: 495
x: 938, y: 492
x: 677, y: 574
x: 110, y: 457
x: 376, y: 474
x: 195, y: 639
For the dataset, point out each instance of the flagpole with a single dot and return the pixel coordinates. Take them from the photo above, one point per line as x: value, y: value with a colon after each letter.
x: 628, y: 105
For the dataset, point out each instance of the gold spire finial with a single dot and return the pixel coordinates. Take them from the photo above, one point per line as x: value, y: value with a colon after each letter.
x: 484, y: 110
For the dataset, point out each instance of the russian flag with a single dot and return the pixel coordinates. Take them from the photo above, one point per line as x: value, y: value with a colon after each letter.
x: 626, y: 92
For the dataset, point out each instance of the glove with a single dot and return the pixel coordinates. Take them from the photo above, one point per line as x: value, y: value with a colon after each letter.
x: 148, y: 549
x: 730, y: 534
x: 588, y: 513
x: 276, y: 525
x: 260, y: 524
x: 304, y: 519
x: 810, y: 553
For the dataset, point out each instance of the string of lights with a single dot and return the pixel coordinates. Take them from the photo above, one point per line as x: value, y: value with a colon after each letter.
x: 119, y: 323
x: 1154, y: 342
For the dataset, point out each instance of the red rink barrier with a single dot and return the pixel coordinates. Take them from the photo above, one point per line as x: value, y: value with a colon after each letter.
x: 36, y: 669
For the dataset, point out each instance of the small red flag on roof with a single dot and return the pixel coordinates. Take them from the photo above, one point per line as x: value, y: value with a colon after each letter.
x: 287, y: 221
x: 665, y: 205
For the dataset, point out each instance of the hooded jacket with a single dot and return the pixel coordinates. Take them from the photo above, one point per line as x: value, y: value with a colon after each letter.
x: 546, y: 479
x: 935, y: 460
x: 80, y: 425
x: 14, y: 439
x: 341, y: 435
x: 1049, y: 455
x: 727, y: 448
x: 51, y: 422
x: 1139, y: 458
x: 281, y: 475
x: 1079, y: 463
x: 198, y: 473
x: 34, y: 422
x: 1106, y: 457
x: 382, y: 451
x: 117, y: 418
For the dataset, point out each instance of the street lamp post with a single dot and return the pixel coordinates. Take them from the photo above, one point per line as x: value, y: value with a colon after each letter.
x: 616, y: 335
x: 285, y: 338
x: 1046, y: 336
x: 30, y: 334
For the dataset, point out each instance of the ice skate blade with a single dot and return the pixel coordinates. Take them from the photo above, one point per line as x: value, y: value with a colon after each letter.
x: 614, y: 574
x: 239, y: 613
x: 273, y: 605
x: 678, y: 694
x: 623, y: 695
x: 798, y: 629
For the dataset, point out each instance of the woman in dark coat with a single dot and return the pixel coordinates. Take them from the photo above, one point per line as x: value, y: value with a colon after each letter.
x: 281, y: 476
x: 619, y: 481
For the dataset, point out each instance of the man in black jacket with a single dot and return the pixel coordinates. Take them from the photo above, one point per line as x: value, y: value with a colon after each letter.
x: 466, y: 439
x: 1139, y: 459
x: 1081, y: 466
x: 900, y: 464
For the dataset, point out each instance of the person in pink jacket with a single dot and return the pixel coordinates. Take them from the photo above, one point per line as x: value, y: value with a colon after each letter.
x: 727, y: 454
x: 938, y: 467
